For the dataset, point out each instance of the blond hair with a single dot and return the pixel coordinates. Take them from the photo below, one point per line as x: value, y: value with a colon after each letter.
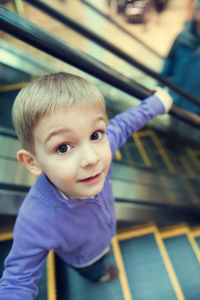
x: 48, y: 94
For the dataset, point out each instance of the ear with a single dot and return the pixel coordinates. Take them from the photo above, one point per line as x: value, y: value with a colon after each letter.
x: 27, y: 159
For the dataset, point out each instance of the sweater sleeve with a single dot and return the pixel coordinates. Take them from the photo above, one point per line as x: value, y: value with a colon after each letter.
x: 126, y: 123
x: 23, y: 266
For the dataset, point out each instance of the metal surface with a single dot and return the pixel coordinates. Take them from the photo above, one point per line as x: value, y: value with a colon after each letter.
x: 148, y: 187
x: 35, y: 36
x: 10, y: 202
x: 19, y: 60
x: 12, y: 172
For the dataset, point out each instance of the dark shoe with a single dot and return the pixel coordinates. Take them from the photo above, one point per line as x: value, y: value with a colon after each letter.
x: 111, y: 274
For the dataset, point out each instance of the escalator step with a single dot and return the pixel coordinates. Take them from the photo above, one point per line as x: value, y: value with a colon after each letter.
x: 42, y: 285
x: 70, y: 285
x: 145, y: 269
x: 197, y: 239
x: 185, y: 264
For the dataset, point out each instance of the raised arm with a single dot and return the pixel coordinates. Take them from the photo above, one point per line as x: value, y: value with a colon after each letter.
x: 126, y: 123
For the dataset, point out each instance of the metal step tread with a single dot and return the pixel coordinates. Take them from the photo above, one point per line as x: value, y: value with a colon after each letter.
x: 184, y: 255
x: 148, y: 269
x: 75, y: 287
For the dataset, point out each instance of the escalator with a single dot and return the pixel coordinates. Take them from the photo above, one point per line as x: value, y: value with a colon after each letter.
x: 152, y: 182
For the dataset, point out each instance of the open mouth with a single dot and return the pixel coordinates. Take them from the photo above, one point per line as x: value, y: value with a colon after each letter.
x: 91, y: 179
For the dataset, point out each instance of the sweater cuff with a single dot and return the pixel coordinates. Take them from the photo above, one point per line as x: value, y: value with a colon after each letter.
x: 156, y: 105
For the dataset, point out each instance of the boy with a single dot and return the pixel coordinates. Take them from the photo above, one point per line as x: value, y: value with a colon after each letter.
x: 60, y: 122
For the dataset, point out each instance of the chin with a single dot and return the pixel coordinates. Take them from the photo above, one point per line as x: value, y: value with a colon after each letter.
x: 95, y: 192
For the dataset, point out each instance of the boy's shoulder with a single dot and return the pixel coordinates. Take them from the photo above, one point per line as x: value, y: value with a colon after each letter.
x: 35, y: 214
x: 37, y: 199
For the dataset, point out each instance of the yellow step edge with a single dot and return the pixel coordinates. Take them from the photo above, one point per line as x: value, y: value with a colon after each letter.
x: 135, y: 227
x: 173, y: 231
x: 163, y: 153
x: 196, y: 152
x: 180, y: 231
x: 122, y: 273
x: 141, y: 149
x: 169, y: 267
x: 6, y: 236
x: 118, y: 155
x: 187, y: 167
x: 19, y: 7
x: 144, y: 133
x: 160, y: 148
x: 152, y: 229
x: 196, y: 232
x: 51, y: 276
x: 135, y: 232
x: 127, y: 154
x: 12, y: 87
x: 194, y: 244
x: 194, y: 156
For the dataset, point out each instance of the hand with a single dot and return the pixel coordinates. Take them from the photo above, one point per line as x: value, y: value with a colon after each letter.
x: 164, y: 97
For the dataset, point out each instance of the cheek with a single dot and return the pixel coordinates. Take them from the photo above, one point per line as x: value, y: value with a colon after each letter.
x: 68, y: 171
x: 62, y: 170
x: 63, y: 179
x: 107, y: 155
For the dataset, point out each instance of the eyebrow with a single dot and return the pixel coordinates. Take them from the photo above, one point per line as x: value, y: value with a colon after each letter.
x: 56, y: 132
x: 64, y: 130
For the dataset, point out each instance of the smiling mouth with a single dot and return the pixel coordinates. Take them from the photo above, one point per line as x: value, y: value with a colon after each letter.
x: 91, y: 179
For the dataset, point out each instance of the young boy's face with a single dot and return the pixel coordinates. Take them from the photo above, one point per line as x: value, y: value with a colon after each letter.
x: 72, y: 149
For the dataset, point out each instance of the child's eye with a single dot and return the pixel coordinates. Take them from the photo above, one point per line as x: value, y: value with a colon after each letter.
x: 63, y: 148
x: 97, y: 135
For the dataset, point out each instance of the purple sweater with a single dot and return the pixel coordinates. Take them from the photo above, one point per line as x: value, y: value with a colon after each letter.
x: 78, y: 230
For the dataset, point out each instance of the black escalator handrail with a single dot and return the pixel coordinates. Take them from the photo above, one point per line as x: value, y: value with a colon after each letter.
x: 30, y: 33
x: 181, y: 113
x: 111, y: 20
x: 14, y: 187
x: 66, y: 20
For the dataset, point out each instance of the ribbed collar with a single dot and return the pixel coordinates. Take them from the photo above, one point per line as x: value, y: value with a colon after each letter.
x: 52, y: 197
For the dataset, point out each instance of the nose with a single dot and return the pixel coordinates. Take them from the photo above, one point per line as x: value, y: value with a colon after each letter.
x: 89, y: 156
